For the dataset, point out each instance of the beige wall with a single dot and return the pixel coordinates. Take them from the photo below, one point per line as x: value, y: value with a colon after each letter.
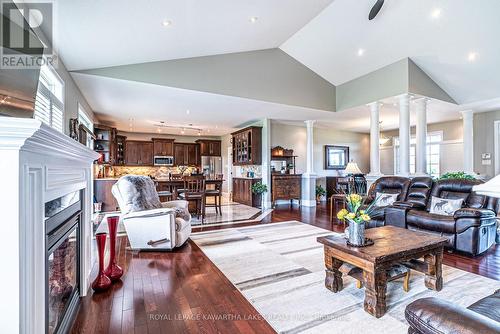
x: 294, y: 137
x: 484, y: 141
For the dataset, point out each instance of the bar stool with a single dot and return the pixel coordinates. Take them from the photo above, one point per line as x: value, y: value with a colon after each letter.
x: 216, y: 193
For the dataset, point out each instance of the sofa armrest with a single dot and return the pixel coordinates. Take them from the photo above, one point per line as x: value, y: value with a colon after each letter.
x: 473, y: 213
x: 436, y: 316
x: 148, y: 213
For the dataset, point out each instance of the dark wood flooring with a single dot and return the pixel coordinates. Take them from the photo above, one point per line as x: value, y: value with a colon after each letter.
x: 184, y: 292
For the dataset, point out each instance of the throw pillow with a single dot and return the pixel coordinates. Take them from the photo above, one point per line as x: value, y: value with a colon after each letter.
x: 445, y: 207
x: 385, y: 199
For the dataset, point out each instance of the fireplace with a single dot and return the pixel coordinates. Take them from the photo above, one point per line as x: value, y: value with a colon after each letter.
x: 62, y: 269
x: 47, y: 230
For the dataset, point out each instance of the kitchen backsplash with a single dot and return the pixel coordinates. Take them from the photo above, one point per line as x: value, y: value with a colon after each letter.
x: 159, y: 172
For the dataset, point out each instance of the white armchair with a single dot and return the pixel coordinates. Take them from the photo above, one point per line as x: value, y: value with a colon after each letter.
x: 150, y: 225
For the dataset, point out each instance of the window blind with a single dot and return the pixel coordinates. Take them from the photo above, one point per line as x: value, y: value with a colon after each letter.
x: 48, y: 107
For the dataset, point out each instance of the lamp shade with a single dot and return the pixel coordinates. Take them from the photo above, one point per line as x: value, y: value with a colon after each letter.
x: 352, y: 168
x: 490, y: 188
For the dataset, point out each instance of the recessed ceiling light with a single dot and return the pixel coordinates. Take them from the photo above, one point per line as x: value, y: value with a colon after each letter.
x: 436, y: 13
x: 473, y: 56
x: 187, y: 112
x: 361, y: 52
x: 254, y: 19
x: 166, y: 23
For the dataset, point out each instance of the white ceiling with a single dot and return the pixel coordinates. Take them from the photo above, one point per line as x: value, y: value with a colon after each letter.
x: 329, y: 43
x: 92, y: 33
x: 118, y: 101
x: 324, y: 35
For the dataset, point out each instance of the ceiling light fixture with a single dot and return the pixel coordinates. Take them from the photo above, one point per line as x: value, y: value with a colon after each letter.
x: 187, y: 112
x: 361, y: 52
x: 254, y: 19
x: 183, y: 131
x: 199, y: 133
x: 166, y: 23
x: 436, y: 13
x: 473, y: 56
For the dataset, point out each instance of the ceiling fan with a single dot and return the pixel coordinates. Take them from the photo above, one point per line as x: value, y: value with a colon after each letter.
x: 375, y: 9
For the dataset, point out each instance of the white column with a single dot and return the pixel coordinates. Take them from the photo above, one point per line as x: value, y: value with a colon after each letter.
x: 374, y: 139
x: 309, y: 177
x: 404, y: 135
x: 421, y: 137
x: 468, y: 125
x: 266, y: 161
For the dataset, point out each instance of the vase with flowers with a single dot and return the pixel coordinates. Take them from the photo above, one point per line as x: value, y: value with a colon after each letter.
x: 357, y: 219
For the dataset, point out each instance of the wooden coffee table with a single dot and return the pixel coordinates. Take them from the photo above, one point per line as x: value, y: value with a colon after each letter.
x: 393, y: 245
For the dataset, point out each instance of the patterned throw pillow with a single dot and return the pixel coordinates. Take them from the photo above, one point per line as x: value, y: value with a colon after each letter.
x: 445, y: 207
x: 383, y: 199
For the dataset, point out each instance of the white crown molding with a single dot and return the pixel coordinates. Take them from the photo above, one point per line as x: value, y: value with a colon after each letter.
x: 32, y: 135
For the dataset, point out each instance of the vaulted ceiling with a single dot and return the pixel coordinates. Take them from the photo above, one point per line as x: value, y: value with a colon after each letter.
x: 452, y: 41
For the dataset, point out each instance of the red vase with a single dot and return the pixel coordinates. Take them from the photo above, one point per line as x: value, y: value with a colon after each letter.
x: 113, y: 271
x: 102, y: 281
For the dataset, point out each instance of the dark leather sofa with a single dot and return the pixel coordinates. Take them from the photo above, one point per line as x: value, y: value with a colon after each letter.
x: 472, y: 229
x: 435, y: 316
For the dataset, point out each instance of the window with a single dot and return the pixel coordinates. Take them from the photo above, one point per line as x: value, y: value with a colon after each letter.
x: 434, y: 140
x: 49, y: 106
x: 85, y: 120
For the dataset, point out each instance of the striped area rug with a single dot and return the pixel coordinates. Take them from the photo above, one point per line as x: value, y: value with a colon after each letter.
x: 279, y: 269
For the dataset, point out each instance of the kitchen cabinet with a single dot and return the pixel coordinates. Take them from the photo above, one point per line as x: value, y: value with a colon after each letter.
x: 105, y: 143
x: 186, y: 154
x: 210, y: 148
x: 242, y: 191
x: 102, y: 193
x: 138, y: 153
x: 286, y: 187
x: 247, y: 148
x: 163, y: 147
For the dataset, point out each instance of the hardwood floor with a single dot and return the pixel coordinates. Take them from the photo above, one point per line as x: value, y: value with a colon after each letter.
x: 184, y: 292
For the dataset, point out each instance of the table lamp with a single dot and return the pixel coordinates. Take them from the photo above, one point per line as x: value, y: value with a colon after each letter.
x: 352, y: 169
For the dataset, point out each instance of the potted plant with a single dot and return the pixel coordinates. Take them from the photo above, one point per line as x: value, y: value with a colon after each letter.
x: 456, y: 175
x: 356, y: 217
x: 259, y: 188
x: 320, y: 193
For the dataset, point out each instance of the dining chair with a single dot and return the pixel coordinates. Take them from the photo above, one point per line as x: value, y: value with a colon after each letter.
x: 216, y: 193
x: 194, y: 191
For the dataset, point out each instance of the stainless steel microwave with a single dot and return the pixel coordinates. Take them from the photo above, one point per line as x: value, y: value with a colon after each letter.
x: 161, y: 160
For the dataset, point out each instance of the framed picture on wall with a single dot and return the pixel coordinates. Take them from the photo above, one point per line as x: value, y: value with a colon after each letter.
x: 336, y: 157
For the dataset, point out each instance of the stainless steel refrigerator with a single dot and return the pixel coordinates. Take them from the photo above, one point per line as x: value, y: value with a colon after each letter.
x: 211, y: 166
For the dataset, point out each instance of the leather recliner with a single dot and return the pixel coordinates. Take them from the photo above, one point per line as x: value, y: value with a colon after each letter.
x: 433, y: 315
x: 389, y: 185
x: 472, y: 229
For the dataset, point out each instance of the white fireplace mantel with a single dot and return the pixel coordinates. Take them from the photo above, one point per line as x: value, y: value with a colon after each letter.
x: 37, y: 164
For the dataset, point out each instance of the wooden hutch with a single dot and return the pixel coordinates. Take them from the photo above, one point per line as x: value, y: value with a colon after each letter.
x: 285, y: 184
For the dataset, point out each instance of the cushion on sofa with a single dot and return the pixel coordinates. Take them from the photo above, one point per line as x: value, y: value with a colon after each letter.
x: 430, y: 221
x: 489, y: 306
x: 445, y: 206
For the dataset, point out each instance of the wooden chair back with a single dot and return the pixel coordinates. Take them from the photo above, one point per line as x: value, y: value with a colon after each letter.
x: 194, y: 184
x: 176, y: 177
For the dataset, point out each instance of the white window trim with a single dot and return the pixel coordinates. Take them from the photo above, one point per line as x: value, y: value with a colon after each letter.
x: 396, y: 147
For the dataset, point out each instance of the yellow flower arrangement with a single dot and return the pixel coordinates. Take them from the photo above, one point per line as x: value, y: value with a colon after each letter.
x: 353, y: 212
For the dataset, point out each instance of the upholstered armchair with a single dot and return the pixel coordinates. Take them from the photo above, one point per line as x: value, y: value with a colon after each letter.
x: 150, y: 224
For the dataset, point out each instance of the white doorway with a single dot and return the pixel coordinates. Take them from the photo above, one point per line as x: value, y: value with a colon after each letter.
x: 497, y: 146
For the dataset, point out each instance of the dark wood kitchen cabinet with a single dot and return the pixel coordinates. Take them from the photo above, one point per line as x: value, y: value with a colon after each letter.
x: 211, y: 148
x: 138, y: 153
x: 186, y: 154
x: 242, y: 191
x: 247, y: 148
x: 163, y: 147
